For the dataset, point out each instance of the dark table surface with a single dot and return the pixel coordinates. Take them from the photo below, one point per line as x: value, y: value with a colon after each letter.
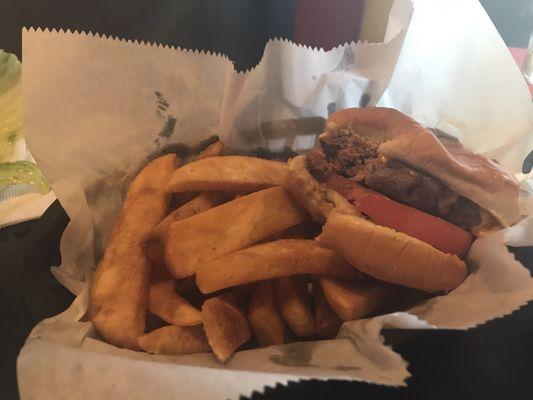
x: 491, y: 361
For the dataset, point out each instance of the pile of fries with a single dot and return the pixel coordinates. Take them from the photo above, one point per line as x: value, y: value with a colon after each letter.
x: 223, y: 255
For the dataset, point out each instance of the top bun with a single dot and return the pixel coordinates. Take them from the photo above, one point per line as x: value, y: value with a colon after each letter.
x: 468, y: 174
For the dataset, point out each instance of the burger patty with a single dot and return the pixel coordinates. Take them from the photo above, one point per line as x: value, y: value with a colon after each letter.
x: 352, y: 156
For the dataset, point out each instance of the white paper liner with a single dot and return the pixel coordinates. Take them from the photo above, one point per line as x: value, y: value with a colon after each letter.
x: 93, y: 117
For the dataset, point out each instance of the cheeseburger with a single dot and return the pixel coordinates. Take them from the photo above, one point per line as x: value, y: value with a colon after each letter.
x: 399, y: 202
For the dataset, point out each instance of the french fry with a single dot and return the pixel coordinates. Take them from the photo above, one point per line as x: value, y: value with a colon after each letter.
x: 175, y: 340
x: 213, y: 150
x: 327, y: 322
x: 163, y: 301
x: 354, y: 299
x: 119, y: 292
x: 283, y: 257
x: 153, y: 245
x: 264, y: 317
x: 227, y: 173
x: 225, y: 324
x: 192, y: 242
x: 168, y: 305
x: 202, y: 202
x: 153, y: 249
x: 294, y: 304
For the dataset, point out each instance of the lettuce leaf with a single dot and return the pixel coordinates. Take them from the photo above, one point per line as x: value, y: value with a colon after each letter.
x: 10, y: 104
x: 23, y: 172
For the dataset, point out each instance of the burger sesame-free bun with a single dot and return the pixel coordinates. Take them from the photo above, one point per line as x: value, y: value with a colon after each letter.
x: 468, y: 174
x: 391, y: 256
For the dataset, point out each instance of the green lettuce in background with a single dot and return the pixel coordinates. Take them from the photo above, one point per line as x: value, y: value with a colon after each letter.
x: 14, y: 171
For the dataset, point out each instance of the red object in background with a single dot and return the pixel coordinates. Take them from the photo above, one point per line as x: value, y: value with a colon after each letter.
x: 327, y: 23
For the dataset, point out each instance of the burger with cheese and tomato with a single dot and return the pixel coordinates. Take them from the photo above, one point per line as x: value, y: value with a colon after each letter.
x: 399, y: 202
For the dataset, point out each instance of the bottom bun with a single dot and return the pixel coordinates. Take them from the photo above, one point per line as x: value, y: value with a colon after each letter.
x: 391, y: 256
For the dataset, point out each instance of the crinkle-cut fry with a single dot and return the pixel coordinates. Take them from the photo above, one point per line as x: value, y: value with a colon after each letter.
x: 213, y: 150
x: 283, y: 257
x: 175, y: 340
x: 327, y: 321
x: 119, y: 292
x: 294, y: 304
x: 225, y: 324
x: 227, y: 173
x: 264, y: 317
x: 194, y: 241
x: 354, y: 299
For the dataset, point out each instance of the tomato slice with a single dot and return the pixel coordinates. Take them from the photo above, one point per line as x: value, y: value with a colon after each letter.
x: 435, y: 231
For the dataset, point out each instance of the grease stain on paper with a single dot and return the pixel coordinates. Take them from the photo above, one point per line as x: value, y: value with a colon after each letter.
x: 301, y: 354
x: 295, y: 355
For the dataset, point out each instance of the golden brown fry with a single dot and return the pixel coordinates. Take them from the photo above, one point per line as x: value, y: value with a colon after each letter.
x: 225, y: 324
x: 175, y: 340
x: 119, y: 292
x: 271, y: 260
x: 294, y: 304
x: 164, y: 302
x: 264, y: 316
x: 327, y: 322
x: 354, y: 299
x: 392, y: 256
x: 213, y: 150
x: 153, y: 245
x: 200, y: 203
x: 192, y: 242
x: 228, y: 173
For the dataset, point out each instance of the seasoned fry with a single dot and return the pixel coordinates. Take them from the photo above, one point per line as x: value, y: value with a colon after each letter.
x: 175, y: 340
x: 194, y: 241
x: 168, y: 305
x: 227, y: 173
x: 354, y: 299
x: 327, y: 322
x: 294, y: 304
x: 200, y: 203
x: 163, y: 301
x: 153, y: 245
x: 213, y: 150
x: 271, y: 260
x: 264, y: 317
x: 119, y: 292
x: 225, y: 324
